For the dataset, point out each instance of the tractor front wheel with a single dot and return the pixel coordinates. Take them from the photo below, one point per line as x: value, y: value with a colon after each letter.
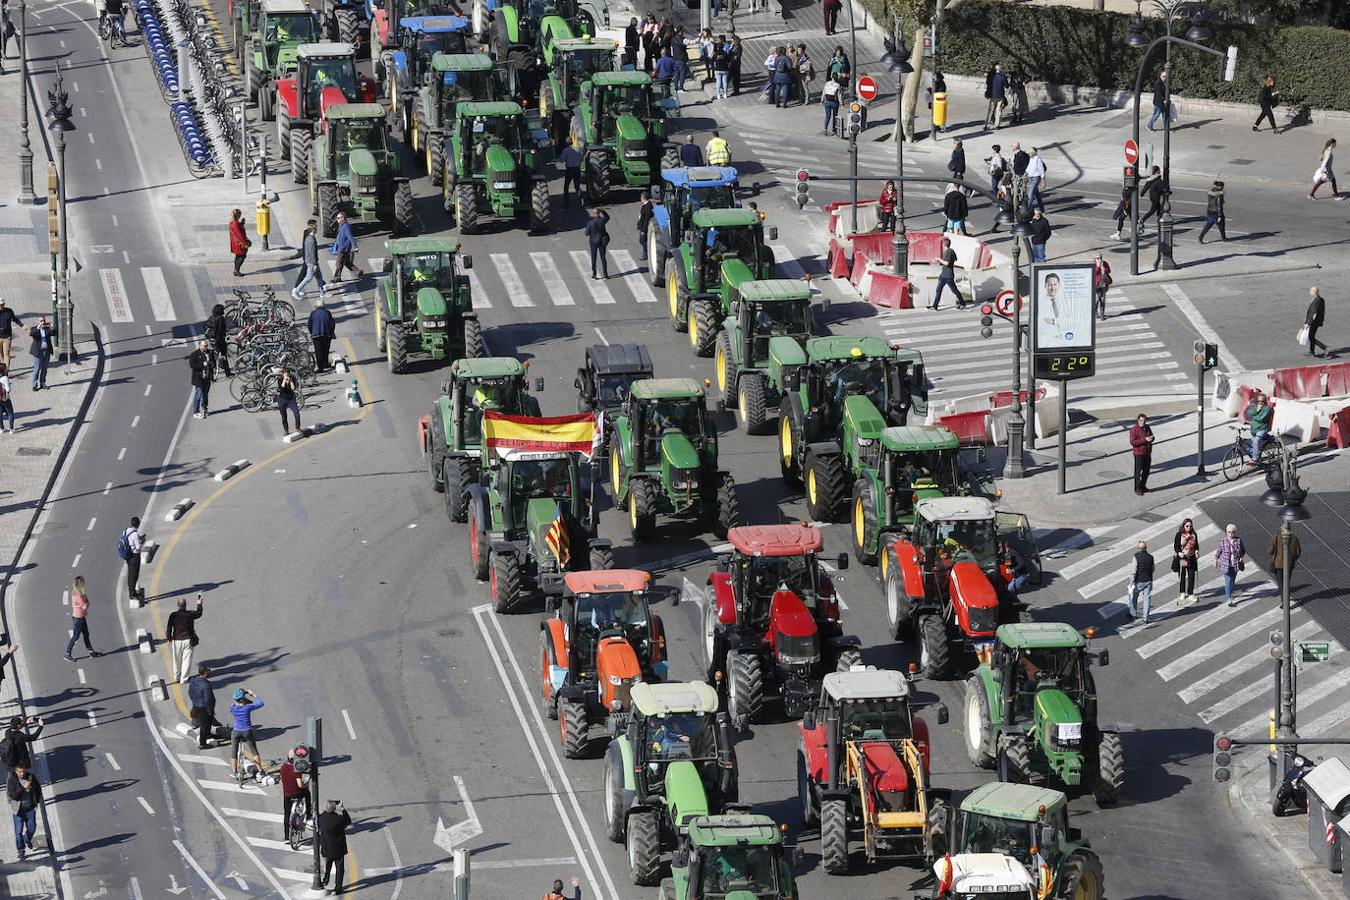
x: 864, y: 530
x: 935, y: 652
x: 253, y: 77
x: 1110, y: 769
x: 405, y: 215
x: 644, y: 847
x: 1082, y: 878
x: 459, y: 473
x: 506, y: 582
x: 834, y: 836
x: 601, y: 558
x: 847, y: 659
x: 300, y: 141
x: 787, y: 447
x: 573, y: 727
x: 266, y: 104
x: 597, y: 178
x: 702, y: 326
x: 728, y: 513
x: 670, y: 158
x: 899, y: 604
x: 977, y: 722
x: 615, y: 812
x: 656, y: 256
x: 478, y: 546
x: 541, y: 209
x: 754, y: 403
x: 474, y: 345
x: 806, y: 792
x: 675, y: 293
x: 546, y: 692
x: 328, y: 209
x: 1015, y: 765
x: 724, y: 364
x: 396, y: 344
x: 435, y: 151
x: 641, y: 510
x: 346, y: 24
x: 436, y: 449
x: 466, y: 208
x: 745, y: 691
x: 825, y: 486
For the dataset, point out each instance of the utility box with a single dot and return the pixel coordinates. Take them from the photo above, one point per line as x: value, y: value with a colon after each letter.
x: 1328, y: 788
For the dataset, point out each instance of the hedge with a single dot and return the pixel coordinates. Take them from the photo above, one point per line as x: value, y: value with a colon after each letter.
x: 1064, y: 45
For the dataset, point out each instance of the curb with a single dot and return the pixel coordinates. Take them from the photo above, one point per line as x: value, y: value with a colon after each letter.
x: 1159, y: 277
x: 232, y: 470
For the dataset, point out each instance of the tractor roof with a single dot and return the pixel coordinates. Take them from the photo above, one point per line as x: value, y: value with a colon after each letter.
x: 725, y: 218
x: 919, y: 437
x: 673, y: 697
x: 775, y: 290
x: 460, y: 62
x: 581, y: 44
x: 487, y: 367
x: 355, y: 111
x: 700, y: 176
x: 614, y: 359
x: 435, y: 24
x: 326, y: 50
x: 666, y: 389
x: 734, y: 830
x: 414, y: 245
x: 285, y: 7
x: 1012, y: 801
x: 493, y: 109
x: 1040, y: 636
x: 621, y: 79
x: 866, y: 684
x: 607, y: 581
x: 977, y: 873
x: 844, y: 347
x: 955, y: 509
x: 775, y: 540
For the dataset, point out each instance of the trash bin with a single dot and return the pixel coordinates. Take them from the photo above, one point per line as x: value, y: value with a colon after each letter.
x: 1328, y: 800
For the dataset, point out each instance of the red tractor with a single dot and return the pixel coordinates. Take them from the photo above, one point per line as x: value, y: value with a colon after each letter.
x: 771, y: 624
x: 325, y: 74
x: 600, y: 641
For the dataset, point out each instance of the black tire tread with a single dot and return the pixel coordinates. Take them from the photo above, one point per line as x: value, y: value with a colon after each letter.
x: 831, y: 487
x: 834, y: 836
x: 510, y: 583
x: 933, y: 635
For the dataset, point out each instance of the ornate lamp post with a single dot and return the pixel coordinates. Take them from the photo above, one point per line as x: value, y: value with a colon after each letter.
x: 59, y: 112
x: 897, y: 63
x: 1015, y: 467
x: 1286, y: 494
x: 26, y: 195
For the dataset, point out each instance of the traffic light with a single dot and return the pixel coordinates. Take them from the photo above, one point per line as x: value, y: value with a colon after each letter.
x: 986, y: 321
x: 1223, y: 757
x: 803, y: 188
x: 1206, y: 355
x: 300, y: 759
x: 1131, y: 177
x: 855, y: 114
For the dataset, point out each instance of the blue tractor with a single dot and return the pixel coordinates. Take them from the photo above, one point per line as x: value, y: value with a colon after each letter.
x: 675, y: 198
x: 403, y: 69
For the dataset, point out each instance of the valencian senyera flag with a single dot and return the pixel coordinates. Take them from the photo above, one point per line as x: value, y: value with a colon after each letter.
x: 557, y: 540
x: 539, y: 434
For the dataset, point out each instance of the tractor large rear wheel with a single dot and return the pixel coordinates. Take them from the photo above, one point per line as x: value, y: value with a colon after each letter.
x: 935, y: 652
x: 728, y: 513
x: 396, y: 344
x: 474, y: 345
x: 787, y: 447
x: 642, y: 510
x: 745, y: 689
x: 573, y: 727
x: 978, y: 723
x: 460, y: 472
x: 702, y: 317
x: 506, y: 582
x: 615, y: 812
x: 541, y: 209
x: 753, y: 405
x: 724, y: 365
x: 435, y: 153
x: 847, y: 659
x: 1110, y: 769
x: 328, y: 210
x: 300, y: 141
x: 1015, y: 765
x: 834, y: 836
x: 644, y: 847
x: 597, y: 178
x: 670, y: 158
x: 863, y: 512
x: 826, y: 488
x: 466, y: 208
x: 478, y: 546
x: 1082, y: 878
x: 436, y: 449
x: 405, y: 214
x: 348, y: 27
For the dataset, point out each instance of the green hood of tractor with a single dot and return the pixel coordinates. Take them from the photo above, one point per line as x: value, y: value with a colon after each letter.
x: 499, y: 160
x: 741, y: 895
x: 362, y: 162
x: 286, y: 58
x: 735, y: 273
x: 862, y: 418
x: 1054, y: 706
x: 630, y: 128
x: 684, y: 792
x: 539, y: 514
x: 430, y: 303
x: 678, y: 452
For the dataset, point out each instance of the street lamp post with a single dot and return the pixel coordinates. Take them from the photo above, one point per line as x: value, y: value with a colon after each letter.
x: 59, y: 112
x: 1015, y: 466
x: 26, y: 195
x: 1286, y: 494
x: 897, y: 62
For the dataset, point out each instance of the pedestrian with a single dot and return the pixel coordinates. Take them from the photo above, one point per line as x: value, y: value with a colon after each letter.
x: 1162, y: 100
x: 597, y: 236
x: 632, y: 39
x: 1035, y: 180
x: 650, y: 47
x: 79, y: 619
x: 663, y: 74
x: 1020, y: 160
x: 806, y: 73
x: 43, y: 340
x: 203, y: 699
x: 1230, y: 559
x: 1276, y: 551
x: 571, y: 160
x: 997, y: 166
x: 679, y: 54
x: 181, y: 633
x: 781, y: 78
x: 1185, y: 555
x: 242, y: 707
x: 829, y: 99
x: 309, y: 269
x: 8, y: 319
x: 691, y: 156
x: 202, y: 363
x: 1214, y: 214
x: 344, y: 248
x: 239, y: 242
x: 1141, y: 445
x: 721, y: 63
x: 556, y: 892
x: 16, y: 747
x: 288, y: 402
x: 1038, y: 230
x: 1141, y: 582
x: 645, y: 213
x: 718, y: 150
x: 332, y: 827
x: 1312, y: 320
x: 216, y: 329
x: 957, y: 163
x: 734, y: 57
x: 1156, y: 190
x: 947, y: 275
x: 1122, y: 211
x: 1267, y: 99
x: 1325, y: 170
x: 1101, y: 282
x: 705, y: 53
x: 294, y: 787
x: 6, y: 400
x: 886, y: 206
x: 996, y: 92
x: 322, y: 330
x: 956, y: 208
x: 839, y: 68
x: 1017, y: 93
x: 25, y: 793
x: 129, y: 548
x: 1259, y: 417
x: 831, y: 9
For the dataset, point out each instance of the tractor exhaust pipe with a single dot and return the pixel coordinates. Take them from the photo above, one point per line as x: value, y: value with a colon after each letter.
x: 832, y: 750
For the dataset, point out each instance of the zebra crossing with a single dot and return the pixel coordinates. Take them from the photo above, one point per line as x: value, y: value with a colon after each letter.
x: 1131, y: 357
x: 1215, y: 657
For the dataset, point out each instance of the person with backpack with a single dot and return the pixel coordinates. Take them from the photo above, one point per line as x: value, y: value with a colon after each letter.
x: 957, y: 164
x: 129, y: 549
x: 79, y: 619
x: 6, y: 400
x: 16, y: 747
x: 997, y: 166
x: 25, y: 793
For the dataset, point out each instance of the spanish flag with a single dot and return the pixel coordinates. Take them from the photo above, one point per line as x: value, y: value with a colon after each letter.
x: 1044, y: 877
x: 556, y: 539
x: 575, y: 433
x: 946, y: 874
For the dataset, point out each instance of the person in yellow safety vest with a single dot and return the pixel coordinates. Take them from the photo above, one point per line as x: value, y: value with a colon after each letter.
x: 718, y: 153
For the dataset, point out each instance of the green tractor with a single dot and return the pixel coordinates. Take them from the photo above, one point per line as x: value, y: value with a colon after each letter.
x: 838, y: 402
x: 454, y: 445
x: 269, y: 51
x: 571, y: 62
x: 671, y: 759
x: 496, y: 168
x: 902, y: 466
x: 721, y: 249
x: 426, y: 116
x: 763, y: 335
x: 1032, y: 712
x: 1014, y: 842
x: 619, y: 125
x: 737, y: 856
x: 353, y: 170
x: 423, y: 304
x: 515, y: 31
x: 533, y: 518
x: 663, y: 459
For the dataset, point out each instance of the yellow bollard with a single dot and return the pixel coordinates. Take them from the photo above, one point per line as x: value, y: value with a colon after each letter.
x: 940, y: 109
x: 264, y: 221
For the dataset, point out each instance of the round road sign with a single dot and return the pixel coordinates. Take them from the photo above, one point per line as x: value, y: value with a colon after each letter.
x: 1005, y: 303
x: 867, y: 88
x: 1131, y: 151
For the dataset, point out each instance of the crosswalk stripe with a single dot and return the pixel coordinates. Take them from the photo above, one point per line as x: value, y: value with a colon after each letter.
x: 476, y: 292
x: 1162, y: 612
x: 1207, y: 621
x: 1102, y: 557
x: 292, y: 875
x: 269, y: 844
x: 553, y: 280
x: 274, y: 818
x: 1332, y: 684
x: 1324, y: 724
x: 1121, y: 572
x: 203, y: 760
x: 161, y: 304
x: 119, y: 307
x: 635, y: 278
x: 599, y: 290
x: 515, y: 288
x: 1198, y: 689
x: 230, y: 786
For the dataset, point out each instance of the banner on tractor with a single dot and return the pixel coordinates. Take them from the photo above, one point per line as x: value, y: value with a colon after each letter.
x: 539, y: 434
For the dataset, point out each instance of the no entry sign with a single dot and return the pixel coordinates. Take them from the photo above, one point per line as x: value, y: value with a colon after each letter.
x: 1131, y: 151
x: 867, y: 88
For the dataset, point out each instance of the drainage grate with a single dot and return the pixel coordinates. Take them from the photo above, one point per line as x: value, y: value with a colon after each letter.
x: 1149, y: 517
x: 34, y: 451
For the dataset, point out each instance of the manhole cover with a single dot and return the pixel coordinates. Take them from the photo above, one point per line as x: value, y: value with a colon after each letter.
x: 1112, y: 473
x: 34, y: 451
x: 1148, y: 517
x: 1091, y: 454
x: 1241, y: 162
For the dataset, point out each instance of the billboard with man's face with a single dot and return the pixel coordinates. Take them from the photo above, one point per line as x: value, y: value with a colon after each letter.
x: 1061, y: 303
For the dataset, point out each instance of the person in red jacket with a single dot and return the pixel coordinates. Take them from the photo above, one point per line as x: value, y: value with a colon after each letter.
x: 1141, y: 442
x: 239, y: 242
x: 886, y: 206
x: 1101, y: 280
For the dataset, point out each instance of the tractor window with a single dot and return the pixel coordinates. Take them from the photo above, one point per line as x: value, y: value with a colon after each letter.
x: 582, y: 64
x: 444, y: 42
x: 741, y: 242
x: 428, y: 270
x: 615, y: 610
x: 686, y: 735
x: 864, y: 377
x: 938, y: 467
x: 731, y: 869
x: 541, y: 478
x: 458, y: 87
x: 614, y: 389
x: 679, y: 415
x: 986, y: 834
x: 297, y: 27
x: 356, y: 135
x: 884, y: 718
x: 488, y: 130
x: 497, y: 394
x: 720, y: 197
x: 1060, y: 668
x: 770, y: 320
x: 766, y: 574
x: 339, y: 72
x: 635, y: 99
x: 970, y: 541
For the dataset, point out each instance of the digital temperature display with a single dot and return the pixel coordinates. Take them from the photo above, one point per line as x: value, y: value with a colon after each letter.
x: 1064, y: 366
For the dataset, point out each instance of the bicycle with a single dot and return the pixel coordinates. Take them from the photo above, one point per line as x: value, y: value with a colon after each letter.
x: 300, y: 828
x: 1237, y: 461
x: 117, y: 29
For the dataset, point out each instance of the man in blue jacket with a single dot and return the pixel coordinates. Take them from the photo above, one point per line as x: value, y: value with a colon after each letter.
x: 345, y: 248
x: 322, y: 330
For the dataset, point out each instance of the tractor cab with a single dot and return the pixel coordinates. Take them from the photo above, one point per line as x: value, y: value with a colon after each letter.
x: 719, y: 236
x: 320, y: 67
x: 284, y: 26
x: 954, y: 530
x: 660, y: 409
x: 738, y: 855
x: 765, y: 563
x: 528, y: 477
x: 426, y: 301
x: 489, y: 135
x: 495, y: 383
x: 840, y: 367
x: 461, y: 78
x: 681, y: 192
x: 357, y: 142
x: 917, y: 462
x: 420, y: 39
x: 677, y: 722
x: 614, y: 96
x: 763, y: 311
x: 599, y: 605
x: 421, y: 264
x: 1035, y: 657
x: 605, y: 381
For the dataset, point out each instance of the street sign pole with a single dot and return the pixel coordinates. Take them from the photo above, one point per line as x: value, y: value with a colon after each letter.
x: 314, y: 738
x: 1063, y: 430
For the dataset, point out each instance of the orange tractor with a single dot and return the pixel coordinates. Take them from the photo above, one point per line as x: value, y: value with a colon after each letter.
x: 600, y: 641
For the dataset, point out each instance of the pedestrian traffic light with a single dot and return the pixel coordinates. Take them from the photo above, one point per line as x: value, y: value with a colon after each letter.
x: 855, y: 114
x: 1131, y: 177
x: 1223, y: 757
x: 803, y: 188
x: 986, y: 321
x: 300, y: 759
x: 1206, y: 355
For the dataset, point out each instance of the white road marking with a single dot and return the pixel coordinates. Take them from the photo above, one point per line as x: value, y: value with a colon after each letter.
x: 90, y: 526
x: 203, y: 760
x: 1190, y: 311
x: 449, y: 838
x: 79, y: 673
x: 515, y: 288
x: 476, y: 292
x: 119, y: 309
x: 161, y: 304
x: 147, y: 390
x: 111, y: 761
x: 601, y: 335
x: 114, y: 215
x: 231, y: 786
x: 154, y: 359
x: 599, y: 290
x: 1195, y: 691
x: 98, y: 164
x: 1332, y: 684
x: 269, y: 844
x: 1223, y: 642
x: 292, y: 875
x: 553, y: 280
x: 135, y: 886
x: 75, y: 563
x: 145, y: 805
x: 65, y: 598
x: 90, y: 134
x: 135, y: 420
x: 121, y: 454
x: 93, y: 720
x: 523, y: 863
x: 635, y: 279
x: 83, y: 114
x: 201, y: 873
x: 108, y: 487
x: 272, y: 818
x: 348, y: 720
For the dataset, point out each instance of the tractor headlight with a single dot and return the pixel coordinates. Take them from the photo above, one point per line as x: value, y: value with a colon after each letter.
x: 637, y: 679
x: 434, y: 323
x: 504, y: 185
x: 615, y: 680
x: 684, y: 479
x: 635, y: 154
x: 1067, y: 733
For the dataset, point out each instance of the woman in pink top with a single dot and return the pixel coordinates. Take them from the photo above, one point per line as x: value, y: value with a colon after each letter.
x: 79, y: 618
